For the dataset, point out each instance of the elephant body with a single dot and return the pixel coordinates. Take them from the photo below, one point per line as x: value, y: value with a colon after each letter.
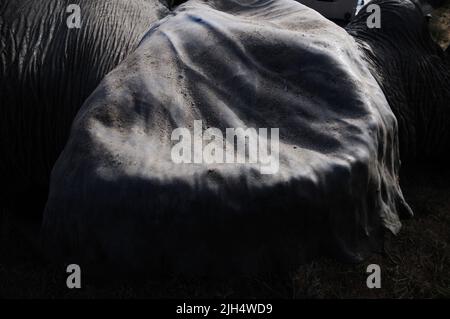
x: 414, y: 73
x: 118, y: 198
x: 349, y: 105
x: 47, y: 71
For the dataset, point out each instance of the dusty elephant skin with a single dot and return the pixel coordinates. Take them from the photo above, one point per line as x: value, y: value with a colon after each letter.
x: 47, y: 71
x: 117, y: 199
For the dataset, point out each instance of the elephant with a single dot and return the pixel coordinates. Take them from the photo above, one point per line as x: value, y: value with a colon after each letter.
x: 47, y: 70
x: 413, y: 72
x: 348, y: 105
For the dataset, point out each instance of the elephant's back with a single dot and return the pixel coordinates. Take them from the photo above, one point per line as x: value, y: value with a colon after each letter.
x: 117, y: 191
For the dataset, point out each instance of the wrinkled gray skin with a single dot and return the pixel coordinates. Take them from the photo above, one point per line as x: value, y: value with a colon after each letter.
x: 46, y: 72
x: 116, y: 197
x: 414, y: 73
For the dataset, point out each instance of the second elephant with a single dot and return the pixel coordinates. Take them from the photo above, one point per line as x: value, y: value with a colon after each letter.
x: 47, y: 70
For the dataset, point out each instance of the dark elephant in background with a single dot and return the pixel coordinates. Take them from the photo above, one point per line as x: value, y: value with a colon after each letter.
x: 414, y: 73
x: 47, y: 71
